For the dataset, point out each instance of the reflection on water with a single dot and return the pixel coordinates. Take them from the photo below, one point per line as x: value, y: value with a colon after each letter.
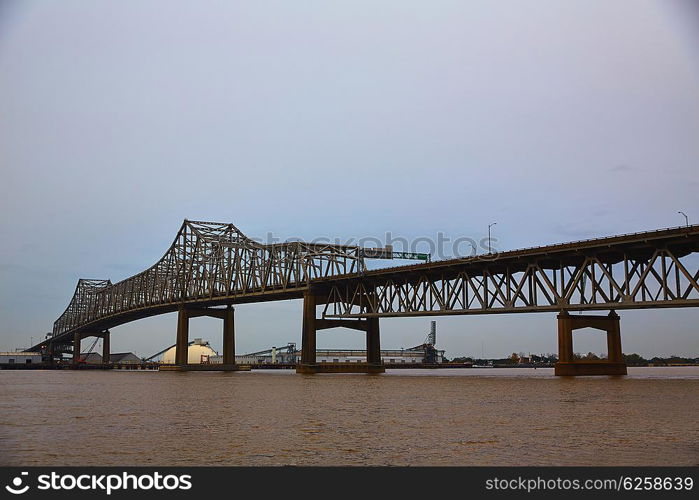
x: 404, y: 417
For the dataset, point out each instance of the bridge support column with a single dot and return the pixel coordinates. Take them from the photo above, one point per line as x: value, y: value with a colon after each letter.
x: 105, y: 348
x: 229, y: 336
x: 76, y: 348
x: 614, y: 352
x: 373, y: 343
x: 567, y: 365
x: 311, y: 325
x: 565, y: 338
x: 182, y: 345
x: 49, y: 352
x: 308, y: 332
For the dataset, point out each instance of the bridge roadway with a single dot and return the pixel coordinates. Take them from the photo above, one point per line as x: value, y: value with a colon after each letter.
x: 212, y: 265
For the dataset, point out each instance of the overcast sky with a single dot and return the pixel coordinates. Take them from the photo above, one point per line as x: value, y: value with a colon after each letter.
x: 559, y: 120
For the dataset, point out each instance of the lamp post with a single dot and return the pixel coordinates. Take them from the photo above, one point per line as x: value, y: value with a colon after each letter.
x: 490, y: 250
x: 686, y: 219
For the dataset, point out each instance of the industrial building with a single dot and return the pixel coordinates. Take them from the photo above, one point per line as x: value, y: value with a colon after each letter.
x: 415, y: 355
x: 425, y: 353
x: 94, y: 358
x: 124, y: 358
x: 276, y: 355
x: 20, y: 357
x: 422, y: 354
x: 200, y: 351
x: 91, y: 358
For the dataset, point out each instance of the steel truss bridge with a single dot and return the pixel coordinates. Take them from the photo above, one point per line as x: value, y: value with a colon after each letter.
x: 210, y: 265
x: 623, y: 272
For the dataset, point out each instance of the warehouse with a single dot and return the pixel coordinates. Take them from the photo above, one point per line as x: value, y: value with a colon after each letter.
x: 95, y: 358
x: 124, y: 358
x: 423, y: 354
x: 91, y: 358
x: 20, y: 357
x: 200, y: 351
x: 420, y: 354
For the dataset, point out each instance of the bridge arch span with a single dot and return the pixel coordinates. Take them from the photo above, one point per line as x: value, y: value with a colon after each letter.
x: 208, y: 263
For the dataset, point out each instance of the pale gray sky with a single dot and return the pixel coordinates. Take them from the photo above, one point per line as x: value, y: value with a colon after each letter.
x: 559, y: 120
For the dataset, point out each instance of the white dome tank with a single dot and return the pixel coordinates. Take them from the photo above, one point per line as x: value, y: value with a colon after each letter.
x: 198, y: 351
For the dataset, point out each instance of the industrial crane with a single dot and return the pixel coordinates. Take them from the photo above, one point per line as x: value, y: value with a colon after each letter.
x: 83, y: 357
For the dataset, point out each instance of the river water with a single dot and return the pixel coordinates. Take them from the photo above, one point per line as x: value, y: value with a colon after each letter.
x: 403, y: 417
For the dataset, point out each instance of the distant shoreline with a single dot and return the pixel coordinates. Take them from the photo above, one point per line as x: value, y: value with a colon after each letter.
x: 290, y: 366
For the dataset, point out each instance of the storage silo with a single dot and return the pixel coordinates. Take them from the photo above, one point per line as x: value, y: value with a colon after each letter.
x: 198, y: 352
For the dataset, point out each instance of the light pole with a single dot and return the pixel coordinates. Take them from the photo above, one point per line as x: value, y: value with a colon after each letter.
x: 490, y: 250
x: 686, y: 219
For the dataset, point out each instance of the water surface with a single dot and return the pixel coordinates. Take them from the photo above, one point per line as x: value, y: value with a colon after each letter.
x: 404, y: 417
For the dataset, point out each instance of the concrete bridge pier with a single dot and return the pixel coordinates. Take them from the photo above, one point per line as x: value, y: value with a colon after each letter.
x: 105, y: 348
x: 229, y: 336
x: 567, y: 365
x: 77, y: 338
x: 182, y: 344
x: 77, y: 341
x: 373, y: 342
x: 311, y: 325
x: 308, y: 333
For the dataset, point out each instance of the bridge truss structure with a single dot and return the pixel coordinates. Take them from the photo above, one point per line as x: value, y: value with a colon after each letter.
x: 647, y: 270
x: 207, y: 262
x: 210, y: 265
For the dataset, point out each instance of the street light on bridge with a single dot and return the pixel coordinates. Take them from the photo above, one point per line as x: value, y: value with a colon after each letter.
x: 490, y: 250
x: 686, y: 219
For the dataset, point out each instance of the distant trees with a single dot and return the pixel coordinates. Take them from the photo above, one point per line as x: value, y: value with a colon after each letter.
x: 634, y: 359
x: 673, y: 360
x: 462, y: 359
